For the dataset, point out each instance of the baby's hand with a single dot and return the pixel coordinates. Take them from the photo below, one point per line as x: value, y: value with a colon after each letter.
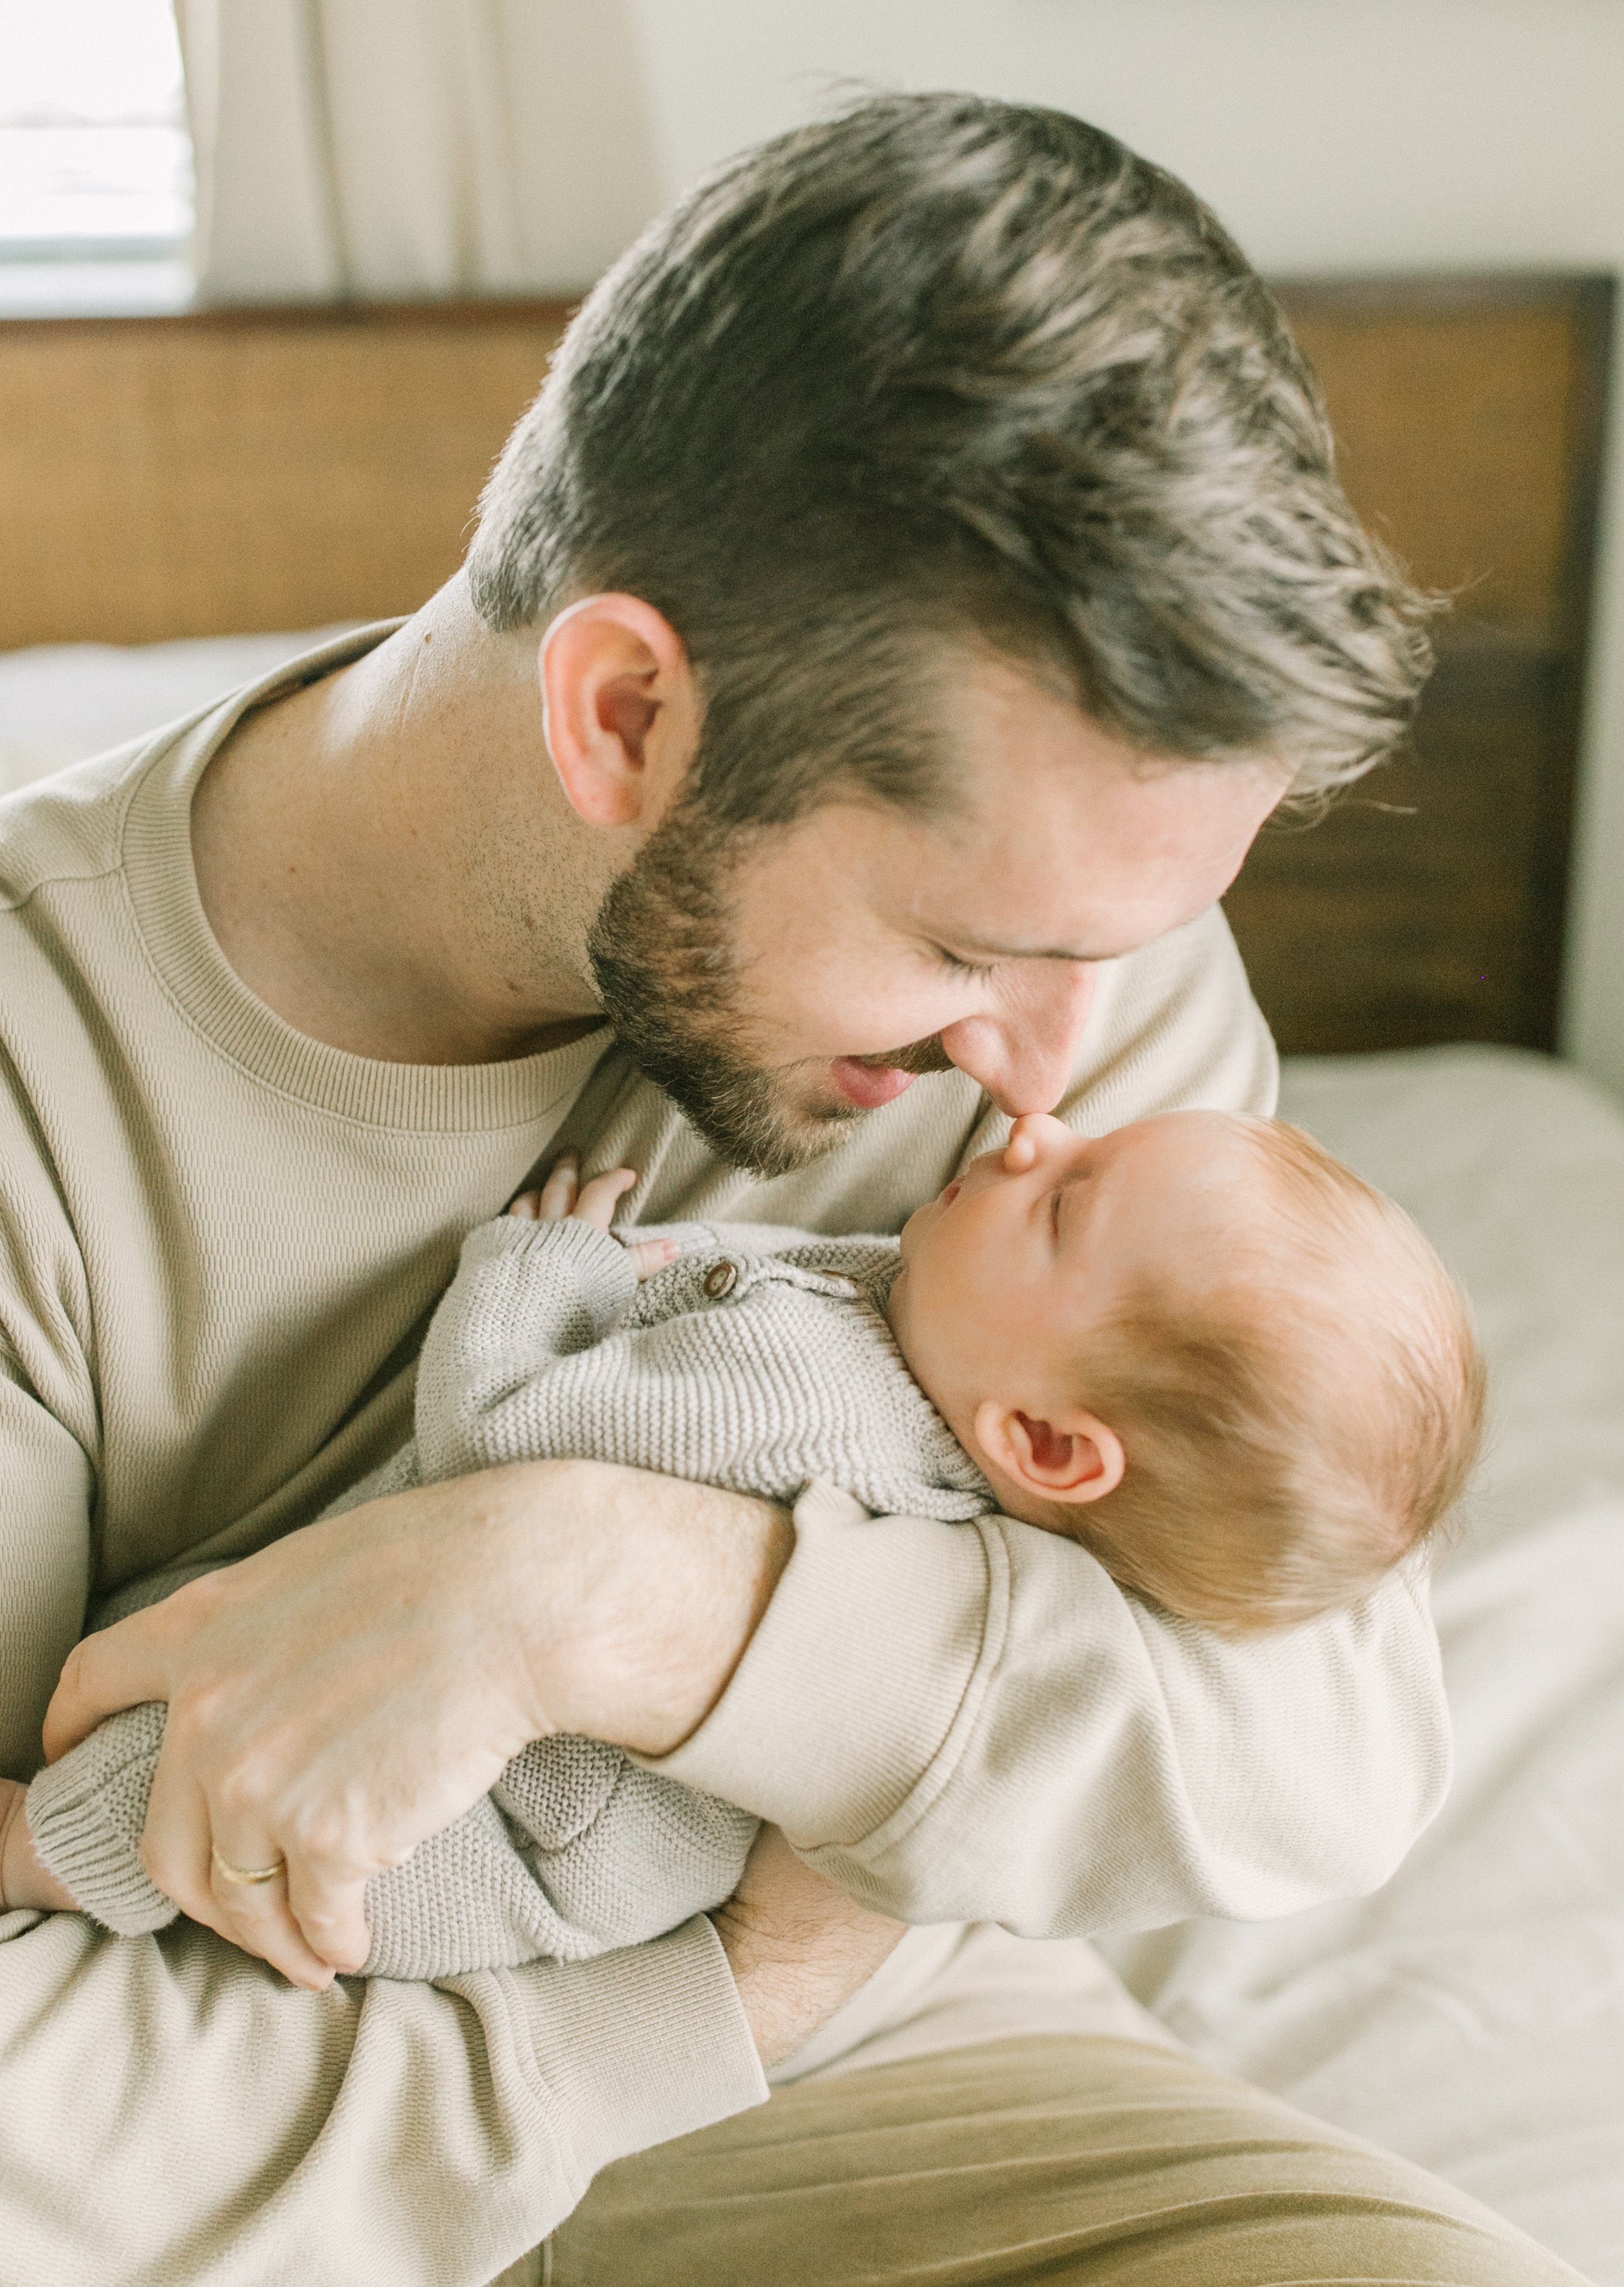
x: 564, y: 1198
x: 23, y: 1880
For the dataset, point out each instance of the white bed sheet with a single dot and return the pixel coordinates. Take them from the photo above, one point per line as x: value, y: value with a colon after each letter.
x: 1471, y: 2015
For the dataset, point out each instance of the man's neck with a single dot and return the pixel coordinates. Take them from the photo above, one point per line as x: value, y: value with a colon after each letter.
x: 387, y: 859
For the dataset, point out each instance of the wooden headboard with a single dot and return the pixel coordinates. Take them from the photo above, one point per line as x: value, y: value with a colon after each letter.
x: 233, y: 471
x: 1430, y: 906
x: 238, y: 471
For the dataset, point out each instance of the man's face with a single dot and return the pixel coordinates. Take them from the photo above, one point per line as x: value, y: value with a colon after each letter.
x: 781, y: 985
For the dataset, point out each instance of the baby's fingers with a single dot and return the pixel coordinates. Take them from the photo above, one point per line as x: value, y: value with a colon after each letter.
x: 556, y: 1199
x: 596, y: 1204
x: 557, y: 1195
x: 650, y: 1255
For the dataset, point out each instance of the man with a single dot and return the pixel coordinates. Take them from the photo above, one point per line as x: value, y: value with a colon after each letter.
x: 921, y: 576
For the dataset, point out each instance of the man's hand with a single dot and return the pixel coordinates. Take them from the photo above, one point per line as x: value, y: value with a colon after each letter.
x: 797, y: 1946
x: 564, y: 1198
x: 355, y: 1688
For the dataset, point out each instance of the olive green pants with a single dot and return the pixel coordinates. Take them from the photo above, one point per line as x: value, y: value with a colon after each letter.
x: 1057, y: 2160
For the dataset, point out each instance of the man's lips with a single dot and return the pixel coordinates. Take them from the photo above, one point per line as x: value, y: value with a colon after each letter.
x: 868, y: 1086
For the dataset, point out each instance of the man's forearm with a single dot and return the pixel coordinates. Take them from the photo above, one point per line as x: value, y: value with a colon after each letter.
x: 653, y: 1589
x: 974, y: 1723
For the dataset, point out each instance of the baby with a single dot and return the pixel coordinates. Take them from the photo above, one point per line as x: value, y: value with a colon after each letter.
x: 1234, y: 1374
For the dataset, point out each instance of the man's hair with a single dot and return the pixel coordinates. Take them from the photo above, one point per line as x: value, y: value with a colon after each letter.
x: 1294, y: 1426
x: 937, y: 371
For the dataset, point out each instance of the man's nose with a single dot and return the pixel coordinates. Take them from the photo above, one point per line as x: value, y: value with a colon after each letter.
x: 1025, y: 1056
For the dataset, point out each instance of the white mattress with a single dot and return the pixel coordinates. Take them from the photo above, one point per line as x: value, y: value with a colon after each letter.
x: 1472, y: 2013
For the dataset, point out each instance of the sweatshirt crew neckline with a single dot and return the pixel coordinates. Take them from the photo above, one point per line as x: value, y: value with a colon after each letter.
x: 162, y: 881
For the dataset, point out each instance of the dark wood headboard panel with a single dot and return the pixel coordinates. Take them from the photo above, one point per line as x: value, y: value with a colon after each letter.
x: 1429, y: 906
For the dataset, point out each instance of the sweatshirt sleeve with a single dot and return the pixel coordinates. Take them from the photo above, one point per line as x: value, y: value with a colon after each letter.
x: 375, y: 2135
x: 974, y: 1722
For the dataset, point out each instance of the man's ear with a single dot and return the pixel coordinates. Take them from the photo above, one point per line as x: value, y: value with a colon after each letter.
x: 1076, y: 1459
x: 619, y: 710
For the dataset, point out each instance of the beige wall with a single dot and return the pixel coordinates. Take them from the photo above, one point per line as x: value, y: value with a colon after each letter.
x: 1329, y: 134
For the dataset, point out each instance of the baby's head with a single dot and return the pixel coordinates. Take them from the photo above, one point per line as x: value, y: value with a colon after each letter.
x: 1202, y: 1348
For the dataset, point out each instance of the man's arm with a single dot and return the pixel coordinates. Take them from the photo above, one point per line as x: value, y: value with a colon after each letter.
x: 370, y: 2136
x: 385, y: 2135
x: 355, y: 1686
x: 382, y: 2135
x: 961, y: 1721
x: 976, y: 1722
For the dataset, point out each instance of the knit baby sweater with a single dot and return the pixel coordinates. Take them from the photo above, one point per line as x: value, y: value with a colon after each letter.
x: 758, y: 1361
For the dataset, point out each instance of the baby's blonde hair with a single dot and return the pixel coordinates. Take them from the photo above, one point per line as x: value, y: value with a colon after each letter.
x: 1295, y: 1423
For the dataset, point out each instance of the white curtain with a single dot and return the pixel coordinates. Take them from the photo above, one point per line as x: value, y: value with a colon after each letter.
x: 390, y: 149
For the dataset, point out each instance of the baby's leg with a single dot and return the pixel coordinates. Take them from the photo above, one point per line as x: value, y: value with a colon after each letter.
x: 83, y: 1816
x: 653, y: 1852
x: 574, y: 1852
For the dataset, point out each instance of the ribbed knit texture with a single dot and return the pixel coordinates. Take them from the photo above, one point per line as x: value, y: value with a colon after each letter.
x: 86, y: 1814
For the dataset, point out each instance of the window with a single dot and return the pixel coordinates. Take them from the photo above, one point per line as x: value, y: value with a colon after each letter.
x: 95, y: 161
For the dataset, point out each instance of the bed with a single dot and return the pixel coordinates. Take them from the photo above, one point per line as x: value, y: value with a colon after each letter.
x: 186, y: 499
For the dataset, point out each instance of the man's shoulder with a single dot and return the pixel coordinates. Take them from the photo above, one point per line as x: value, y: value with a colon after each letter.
x: 1174, y: 1028
x: 70, y: 826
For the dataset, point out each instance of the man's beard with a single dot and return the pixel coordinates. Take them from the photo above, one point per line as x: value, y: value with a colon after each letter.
x: 666, y: 970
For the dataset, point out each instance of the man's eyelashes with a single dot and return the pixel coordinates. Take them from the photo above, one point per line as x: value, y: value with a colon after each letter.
x: 960, y: 967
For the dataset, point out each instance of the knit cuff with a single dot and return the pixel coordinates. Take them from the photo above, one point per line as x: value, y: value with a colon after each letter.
x: 638, y: 2046
x: 86, y: 1815
x: 594, y: 1260
x: 861, y: 1679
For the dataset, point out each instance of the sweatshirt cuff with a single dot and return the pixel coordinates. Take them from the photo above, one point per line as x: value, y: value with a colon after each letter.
x: 638, y: 2046
x: 86, y: 1814
x: 864, y: 1677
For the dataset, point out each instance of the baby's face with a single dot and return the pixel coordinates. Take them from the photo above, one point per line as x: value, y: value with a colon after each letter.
x: 1006, y: 1271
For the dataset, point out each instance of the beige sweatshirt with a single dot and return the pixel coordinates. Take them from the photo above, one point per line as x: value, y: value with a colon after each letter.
x: 220, y: 1244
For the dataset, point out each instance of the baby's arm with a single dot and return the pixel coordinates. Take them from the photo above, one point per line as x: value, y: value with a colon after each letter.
x: 523, y: 1305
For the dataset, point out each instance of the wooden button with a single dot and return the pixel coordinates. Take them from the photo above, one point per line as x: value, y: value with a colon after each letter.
x: 720, y: 1279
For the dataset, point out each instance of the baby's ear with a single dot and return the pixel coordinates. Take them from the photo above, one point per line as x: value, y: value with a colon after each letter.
x: 1075, y: 1459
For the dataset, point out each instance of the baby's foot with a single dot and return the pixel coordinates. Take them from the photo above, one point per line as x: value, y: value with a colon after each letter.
x: 23, y: 1880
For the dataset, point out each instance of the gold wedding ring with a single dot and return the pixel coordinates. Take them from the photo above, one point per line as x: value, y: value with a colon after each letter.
x: 247, y: 1873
